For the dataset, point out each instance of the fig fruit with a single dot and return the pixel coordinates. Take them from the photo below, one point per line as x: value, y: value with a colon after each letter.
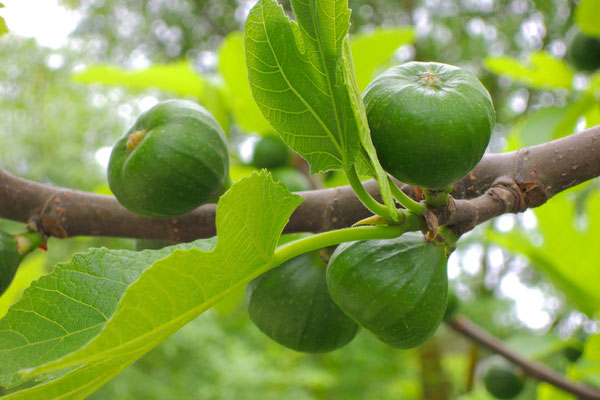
x: 173, y: 159
x: 430, y: 122
x: 291, y: 305
x: 395, y: 288
x: 502, y: 380
x: 270, y: 152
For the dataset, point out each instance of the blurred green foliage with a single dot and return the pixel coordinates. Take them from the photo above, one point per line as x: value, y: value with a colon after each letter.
x: 160, y: 31
x: 229, y: 358
x: 51, y: 128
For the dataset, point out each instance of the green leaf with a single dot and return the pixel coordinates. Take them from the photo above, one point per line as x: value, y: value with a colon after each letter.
x: 574, y: 112
x: 179, y: 78
x: 568, y: 255
x: 546, y: 391
x: 587, y: 368
x: 367, y: 157
x: 592, y: 116
x: 102, y: 311
x: 31, y: 269
x: 232, y: 66
x: 542, y: 70
x: 587, y: 17
x: 297, y: 71
x: 595, y: 81
x: 373, y: 49
x: 592, y: 348
x: 536, y: 128
x: 550, y: 123
x: 535, y: 346
x: 3, y: 27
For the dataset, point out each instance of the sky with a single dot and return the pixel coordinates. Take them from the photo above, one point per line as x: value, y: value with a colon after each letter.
x: 50, y: 23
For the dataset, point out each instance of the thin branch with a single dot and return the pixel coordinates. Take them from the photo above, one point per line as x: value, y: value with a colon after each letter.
x: 532, y: 368
x: 501, y: 183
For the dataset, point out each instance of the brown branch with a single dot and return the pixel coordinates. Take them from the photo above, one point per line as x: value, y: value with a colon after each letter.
x: 501, y: 183
x: 532, y: 368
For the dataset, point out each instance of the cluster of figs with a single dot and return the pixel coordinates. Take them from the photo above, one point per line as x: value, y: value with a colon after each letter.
x: 430, y: 124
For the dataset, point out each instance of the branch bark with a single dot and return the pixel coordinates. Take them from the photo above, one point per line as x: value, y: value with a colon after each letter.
x: 501, y: 183
x: 532, y: 368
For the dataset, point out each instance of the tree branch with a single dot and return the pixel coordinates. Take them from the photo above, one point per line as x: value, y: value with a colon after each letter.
x: 501, y: 183
x: 532, y: 368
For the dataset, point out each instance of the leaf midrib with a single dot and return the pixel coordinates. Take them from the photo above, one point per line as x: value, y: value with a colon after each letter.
x: 307, y: 105
x: 329, y: 85
x: 186, y: 316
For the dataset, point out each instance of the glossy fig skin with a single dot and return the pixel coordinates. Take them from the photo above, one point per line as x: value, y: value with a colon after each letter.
x: 291, y: 305
x: 9, y: 260
x: 173, y: 159
x: 430, y: 122
x: 13, y: 249
x: 395, y: 288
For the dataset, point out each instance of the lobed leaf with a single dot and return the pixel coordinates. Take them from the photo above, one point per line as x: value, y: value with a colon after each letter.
x: 296, y: 71
x: 79, y: 326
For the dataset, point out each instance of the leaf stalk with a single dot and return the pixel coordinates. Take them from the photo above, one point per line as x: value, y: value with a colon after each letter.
x: 331, y: 238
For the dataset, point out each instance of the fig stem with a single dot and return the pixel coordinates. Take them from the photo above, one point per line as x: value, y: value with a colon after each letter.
x: 437, y: 198
x: 408, y: 203
x: 331, y: 238
x: 28, y: 241
x: 449, y: 237
x: 373, y: 205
